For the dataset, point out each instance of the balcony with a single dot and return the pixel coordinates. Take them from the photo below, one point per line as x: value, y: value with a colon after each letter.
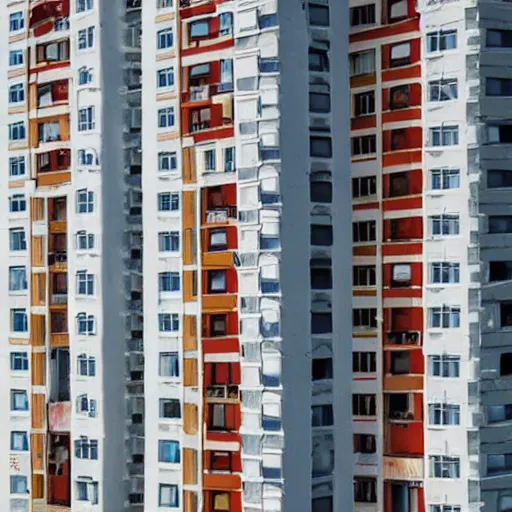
x: 199, y: 93
x: 59, y: 470
x: 44, y: 15
x: 58, y: 260
x: 221, y: 215
x: 52, y: 94
x: 51, y: 53
x: 403, y: 339
x: 403, y: 468
x: 59, y: 416
x: 222, y: 393
x: 53, y: 161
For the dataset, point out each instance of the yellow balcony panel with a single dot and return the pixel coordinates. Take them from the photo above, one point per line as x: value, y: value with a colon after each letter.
x: 403, y: 382
x: 403, y: 468
x: 215, y: 260
x: 53, y: 179
x: 219, y: 303
x: 59, y: 340
x: 58, y: 226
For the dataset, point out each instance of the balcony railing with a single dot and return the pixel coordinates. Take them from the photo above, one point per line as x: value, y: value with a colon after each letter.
x: 59, y: 298
x: 222, y: 392
x: 221, y: 215
x: 57, y: 257
x: 403, y: 338
x: 197, y: 127
x: 200, y: 92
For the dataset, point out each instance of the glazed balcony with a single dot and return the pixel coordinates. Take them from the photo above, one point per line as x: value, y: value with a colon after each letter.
x: 49, y: 15
x: 204, y: 81
x: 52, y: 94
x: 219, y: 204
x: 403, y: 339
x: 214, y: 32
x: 59, y: 470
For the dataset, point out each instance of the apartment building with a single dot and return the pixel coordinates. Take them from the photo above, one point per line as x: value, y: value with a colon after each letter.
x: 246, y: 261
x: 430, y: 181
x: 72, y: 395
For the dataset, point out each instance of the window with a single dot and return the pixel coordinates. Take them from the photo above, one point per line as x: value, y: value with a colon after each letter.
x: 86, y: 365
x: 399, y: 97
x: 443, y: 90
x: 506, y: 364
x: 221, y: 417
x: 499, y: 134
x: 19, y: 441
x: 18, y: 485
x: 441, y: 40
x: 498, y: 413
x: 267, y: 21
x: 170, y: 408
x: 445, y: 317
x: 19, y: 361
x: 364, y: 187
x: 169, y: 451
x: 321, y: 278
x: 49, y: 131
x: 364, y: 275
x: 163, y: 4
x: 19, y: 322
x: 321, y: 415
x: 320, y: 147
x: 84, y: 76
x: 364, y: 103
x: 498, y: 464
x: 364, y: 231
x: 86, y: 120
x: 84, y: 283
x: 17, y: 166
x: 210, y: 160
x: 17, y: 203
x: 217, y: 281
x: 229, y: 159
x: 500, y: 224
x: 444, y: 225
x: 445, y: 508
x: 169, y: 241
x: 365, y: 318
x: 16, y: 21
x: 271, y: 65
x: 365, y: 490
x: 443, y: 466
x: 199, y: 29
x: 84, y: 241
x: 17, y: 131
x: 86, y: 448
x: 400, y: 54
x: 217, y: 239
x: 53, y: 52
x: 500, y: 271
x: 168, y: 322
x: 499, y: 38
x: 363, y: 145
x: 86, y: 324
x: 498, y: 87
x: 86, y: 405
x: 364, y: 405
x: 321, y: 235
x: 320, y: 190
x: 397, y: 10
x: 165, y: 39
x: 321, y: 323
x: 19, y: 400
x: 17, y: 93
x: 499, y: 178
x: 362, y: 15
x: 225, y: 24
x: 16, y: 57
x: 399, y: 184
x: 87, y: 157
x: 17, y: 279
x: 168, y: 496
x: 218, y: 325
x: 400, y: 363
x: 87, y: 490
x: 319, y: 102
x: 167, y: 162
x: 444, y: 272
x: 166, y: 117
x: 318, y: 15
x: 86, y: 38
x: 362, y: 63
x: 444, y: 179
x: 17, y: 239
x: 165, y: 77
x: 364, y: 362
x: 321, y: 368
x: 169, y: 282
x: 84, y: 5
x: 168, y: 364
x: 444, y: 414
x: 84, y: 201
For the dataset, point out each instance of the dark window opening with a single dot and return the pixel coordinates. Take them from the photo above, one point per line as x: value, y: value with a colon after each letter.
x: 322, y: 368
x: 500, y: 270
x: 506, y: 364
x: 399, y: 97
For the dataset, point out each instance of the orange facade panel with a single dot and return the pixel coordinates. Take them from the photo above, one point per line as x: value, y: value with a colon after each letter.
x: 59, y: 340
x: 219, y: 303
x: 364, y: 250
x: 189, y: 333
x: 189, y: 466
x: 189, y: 291
x: 188, y: 210
x: 363, y: 80
x: 392, y: 75
x: 222, y: 482
x: 53, y: 179
x: 189, y: 165
x: 37, y: 251
x: 37, y: 487
x: 37, y: 451
x: 396, y: 116
x: 363, y: 122
x: 37, y: 330
x: 214, y: 260
x: 190, y: 372
x: 38, y: 410
x: 190, y: 419
x: 188, y: 246
x: 38, y: 289
x: 37, y: 208
x: 189, y: 501
x: 403, y: 383
x: 403, y: 468
x: 38, y: 369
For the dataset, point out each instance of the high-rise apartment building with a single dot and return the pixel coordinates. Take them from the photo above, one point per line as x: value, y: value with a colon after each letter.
x: 229, y: 389
x: 430, y: 124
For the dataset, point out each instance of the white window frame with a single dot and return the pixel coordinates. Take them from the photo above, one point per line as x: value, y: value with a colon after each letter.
x: 17, y: 131
x: 168, y: 76
x: 444, y: 89
x: 444, y: 464
x: 167, y: 161
x: 84, y: 201
x: 443, y: 179
x: 17, y: 239
x: 86, y: 324
x: 163, y: 36
x: 171, y: 320
x: 169, y: 365
x: 446, y: 135
x: 166, y: 118
x: 444, y: 366
x: 16, y: 21
x: 17, y: 203
x: 17, y: 93
x: 85, y: 365
x: 444, y: 272
x: 91, y: 490
x: 86, y: 38
x: 84, y: 5
x: 84, y: 241
x: 166, y: 239
x: 444, y: 317
x: 85, y: 283
x: 444, y: 225
x: 171, y: 280
x: 86, y: 119
x: 443, y: 414
x: 436, y: 41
